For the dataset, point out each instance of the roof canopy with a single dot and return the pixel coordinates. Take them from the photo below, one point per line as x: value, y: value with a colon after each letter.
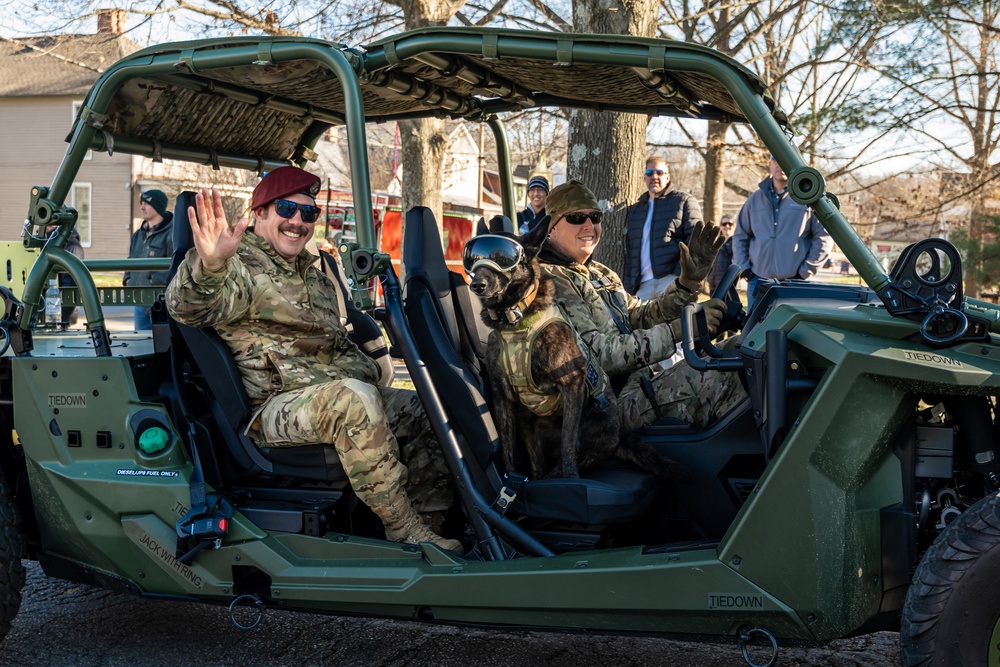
x: 273, y: 108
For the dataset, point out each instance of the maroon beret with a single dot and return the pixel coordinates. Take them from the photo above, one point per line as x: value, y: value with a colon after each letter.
x: 282, y: 182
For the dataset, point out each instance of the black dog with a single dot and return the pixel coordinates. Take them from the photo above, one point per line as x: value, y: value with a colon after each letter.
x: 566, y: 393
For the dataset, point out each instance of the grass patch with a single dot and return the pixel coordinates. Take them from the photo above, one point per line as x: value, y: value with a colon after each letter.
x: 402, y: 384
x: 113, y: 279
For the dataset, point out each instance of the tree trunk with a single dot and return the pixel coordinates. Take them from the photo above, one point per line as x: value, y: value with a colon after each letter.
x: 715, y: 171
x: 607, y: 151
x: 424, y: 142
x: 715, y: 143
x: 608, y: 155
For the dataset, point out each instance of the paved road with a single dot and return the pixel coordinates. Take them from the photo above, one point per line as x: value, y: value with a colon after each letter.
x: 67, y: 625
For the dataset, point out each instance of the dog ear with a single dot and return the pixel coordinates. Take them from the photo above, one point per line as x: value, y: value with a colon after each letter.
x: 481, y: 227
x: 535, y: 238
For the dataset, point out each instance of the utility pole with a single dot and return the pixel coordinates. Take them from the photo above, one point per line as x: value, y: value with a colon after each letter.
x: 482, y: 165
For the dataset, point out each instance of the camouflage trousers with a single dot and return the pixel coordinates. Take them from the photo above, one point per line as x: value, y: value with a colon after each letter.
x: 363, y: 422
x: 683, y: 393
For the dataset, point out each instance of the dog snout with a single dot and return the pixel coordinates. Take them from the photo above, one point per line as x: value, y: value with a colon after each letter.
x: 477, y: 285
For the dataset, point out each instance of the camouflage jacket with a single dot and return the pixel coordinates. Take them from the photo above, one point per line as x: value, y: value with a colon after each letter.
x: 515, y: 354
x: 280, y: 320
x: 624, y: 333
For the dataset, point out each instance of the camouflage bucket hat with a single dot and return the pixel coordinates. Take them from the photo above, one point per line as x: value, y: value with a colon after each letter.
x: 568, y: 197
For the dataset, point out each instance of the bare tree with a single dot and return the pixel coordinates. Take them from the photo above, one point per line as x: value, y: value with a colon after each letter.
x: 815, y: 59
x: 955, y: 109
x: 607, y: 150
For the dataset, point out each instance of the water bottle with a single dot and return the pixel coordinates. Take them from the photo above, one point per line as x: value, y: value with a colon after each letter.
x: 53, y: 303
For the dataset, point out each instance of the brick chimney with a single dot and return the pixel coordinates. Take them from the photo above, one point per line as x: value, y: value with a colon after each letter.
x: 111, y: 21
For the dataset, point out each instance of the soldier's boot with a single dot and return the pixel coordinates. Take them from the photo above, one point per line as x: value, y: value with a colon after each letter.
x: 403, y: 524
x: 434, y: 520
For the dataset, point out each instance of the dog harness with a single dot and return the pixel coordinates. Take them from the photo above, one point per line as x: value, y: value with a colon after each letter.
x: 515, y: 355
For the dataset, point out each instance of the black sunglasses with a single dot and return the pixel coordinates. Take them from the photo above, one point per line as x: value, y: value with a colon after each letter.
x: 498, y: 252
x: 286, y: 209
x: 579, y: 218
x: 658, y: 172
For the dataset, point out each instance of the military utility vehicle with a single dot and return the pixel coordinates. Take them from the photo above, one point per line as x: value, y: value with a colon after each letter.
x: 854, y: 489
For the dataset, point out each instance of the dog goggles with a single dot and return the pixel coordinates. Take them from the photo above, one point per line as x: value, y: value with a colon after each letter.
x: 286, y: 209
x: 579, y: 218
x: 497, y: 252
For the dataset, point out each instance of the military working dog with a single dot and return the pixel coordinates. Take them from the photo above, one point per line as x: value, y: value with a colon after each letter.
x: 542, y: 380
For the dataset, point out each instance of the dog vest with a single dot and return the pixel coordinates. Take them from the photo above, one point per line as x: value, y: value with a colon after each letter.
x: 515, y: 355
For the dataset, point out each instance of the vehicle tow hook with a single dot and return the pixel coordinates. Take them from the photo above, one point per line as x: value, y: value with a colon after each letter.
x: 253, y: 616
x: 746, y: 637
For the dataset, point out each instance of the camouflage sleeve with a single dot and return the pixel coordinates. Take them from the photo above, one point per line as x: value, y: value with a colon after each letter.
x: 201, y: 298
x: 666, y: 307
x: 615, y: 351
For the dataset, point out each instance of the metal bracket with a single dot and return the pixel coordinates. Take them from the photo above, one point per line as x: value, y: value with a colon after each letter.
x: 264, y: 54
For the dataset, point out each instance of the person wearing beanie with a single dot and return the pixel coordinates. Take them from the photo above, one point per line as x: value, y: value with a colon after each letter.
x: 625, y: 334
x: 656, y: 225
x: 538, y: 190
x: 308, y: 382
x: 154, y: 238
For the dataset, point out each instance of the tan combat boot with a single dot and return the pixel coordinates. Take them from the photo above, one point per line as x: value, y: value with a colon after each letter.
x: 403, y: 524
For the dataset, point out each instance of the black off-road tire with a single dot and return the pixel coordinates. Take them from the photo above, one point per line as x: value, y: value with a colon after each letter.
x: 11, y: 568
x: 953, y: 605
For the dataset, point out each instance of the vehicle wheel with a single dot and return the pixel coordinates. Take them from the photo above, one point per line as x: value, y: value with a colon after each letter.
x: 11, y: 568
x: 952, y: 610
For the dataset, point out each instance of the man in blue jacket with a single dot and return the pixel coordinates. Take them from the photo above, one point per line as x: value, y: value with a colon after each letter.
x: 776, y: 237
x: 662, y: 218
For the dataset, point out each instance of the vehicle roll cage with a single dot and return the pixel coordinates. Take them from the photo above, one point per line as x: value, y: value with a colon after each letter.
x: 462, y: 83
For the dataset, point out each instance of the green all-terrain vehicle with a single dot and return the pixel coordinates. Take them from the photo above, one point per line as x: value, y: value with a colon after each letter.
x: 856, y: 486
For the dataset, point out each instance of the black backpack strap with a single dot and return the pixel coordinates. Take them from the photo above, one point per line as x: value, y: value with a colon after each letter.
x: 335, y: 272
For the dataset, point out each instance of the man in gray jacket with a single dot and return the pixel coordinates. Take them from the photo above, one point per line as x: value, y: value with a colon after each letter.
x: 776, y: 237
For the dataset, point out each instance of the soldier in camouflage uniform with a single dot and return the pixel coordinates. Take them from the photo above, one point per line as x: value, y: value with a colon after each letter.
x: 626, y: 334
x: 309, y: 383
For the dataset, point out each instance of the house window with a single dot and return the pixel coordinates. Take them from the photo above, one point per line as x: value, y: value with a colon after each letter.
x: 81, y: 202
x: 76, y: 112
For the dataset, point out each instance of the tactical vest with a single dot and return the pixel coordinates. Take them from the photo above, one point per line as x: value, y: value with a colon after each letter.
x: 515, y: 354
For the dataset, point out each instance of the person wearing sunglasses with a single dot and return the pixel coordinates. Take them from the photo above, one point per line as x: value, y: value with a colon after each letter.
x: 309, y: 383
x: 725, y: 257
x: 661, y: 219
x: 627, y: 335
x: 154, y: 238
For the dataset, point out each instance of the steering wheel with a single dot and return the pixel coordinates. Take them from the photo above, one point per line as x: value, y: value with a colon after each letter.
x: 726, y: 291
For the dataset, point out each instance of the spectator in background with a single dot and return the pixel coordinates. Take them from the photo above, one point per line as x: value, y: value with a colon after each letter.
x: 662, y: 218
x: 538, y: 190
x: 776, y: 237
x: 154, y: 238
x: 725, y: 256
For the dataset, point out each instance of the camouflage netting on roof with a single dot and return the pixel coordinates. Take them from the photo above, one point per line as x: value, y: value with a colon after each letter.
x: 226, y: 110
x: 172, y: 115
x: 602, y: 84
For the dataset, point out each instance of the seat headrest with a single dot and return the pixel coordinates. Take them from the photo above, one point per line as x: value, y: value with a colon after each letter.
x: 423, y: 254
x: 183, y: 240
x: 500, y: 224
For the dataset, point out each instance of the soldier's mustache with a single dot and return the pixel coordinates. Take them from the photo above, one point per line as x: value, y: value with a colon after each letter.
x: 295, y: 229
